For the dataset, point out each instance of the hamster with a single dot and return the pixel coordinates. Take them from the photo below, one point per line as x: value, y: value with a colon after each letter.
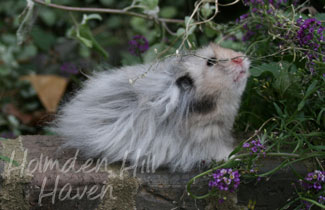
x: 180, y: 113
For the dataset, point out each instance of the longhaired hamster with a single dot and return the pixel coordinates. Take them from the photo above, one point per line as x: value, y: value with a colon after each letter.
x: 180, y: 113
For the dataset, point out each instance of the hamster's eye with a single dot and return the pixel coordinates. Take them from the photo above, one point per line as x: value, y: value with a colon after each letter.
x: 211, y: 61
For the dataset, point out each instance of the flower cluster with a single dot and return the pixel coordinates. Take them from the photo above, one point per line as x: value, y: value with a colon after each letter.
x: 313, y: 183
x: 321, y: 199
x: 307, y: 35
x: 225, y: 180
x: 310, y: 35
x: 138, y: 44
x: 255, y: 147
x: 314, y: 180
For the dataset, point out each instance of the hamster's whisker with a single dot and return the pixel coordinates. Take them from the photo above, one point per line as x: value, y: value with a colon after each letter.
x: 217, y: 60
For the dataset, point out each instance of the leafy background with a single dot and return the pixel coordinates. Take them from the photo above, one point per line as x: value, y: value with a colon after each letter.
x: 51, y: 42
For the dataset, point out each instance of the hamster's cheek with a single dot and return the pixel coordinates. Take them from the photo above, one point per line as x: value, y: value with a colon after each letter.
x: 217, y: 82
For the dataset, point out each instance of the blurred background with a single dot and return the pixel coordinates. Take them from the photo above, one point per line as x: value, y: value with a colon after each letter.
x: 41, y: 73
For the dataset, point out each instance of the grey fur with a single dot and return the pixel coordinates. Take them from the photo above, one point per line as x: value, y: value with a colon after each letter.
x: 178, y: 126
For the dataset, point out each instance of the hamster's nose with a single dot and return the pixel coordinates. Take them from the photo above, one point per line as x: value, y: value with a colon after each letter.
x: 237, y: 60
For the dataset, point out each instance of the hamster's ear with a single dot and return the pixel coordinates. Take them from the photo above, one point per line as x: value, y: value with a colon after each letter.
x: 185, y: 82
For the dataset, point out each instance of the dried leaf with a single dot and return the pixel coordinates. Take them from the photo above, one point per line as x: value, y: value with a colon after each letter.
x: 49, y: 89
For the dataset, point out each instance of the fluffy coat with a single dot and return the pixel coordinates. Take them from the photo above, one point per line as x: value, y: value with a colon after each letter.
x: 180, y: 112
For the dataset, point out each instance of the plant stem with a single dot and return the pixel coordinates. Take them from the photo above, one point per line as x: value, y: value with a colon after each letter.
x: 313, y: 202
x: 289, y: 155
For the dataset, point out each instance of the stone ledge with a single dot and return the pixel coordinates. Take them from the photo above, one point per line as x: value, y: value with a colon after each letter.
x: 78, y: 184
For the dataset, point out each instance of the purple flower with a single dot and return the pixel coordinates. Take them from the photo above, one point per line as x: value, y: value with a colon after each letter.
x: 138, y: 44
x: 69, y: 68
x: 248, y: 35
x: 317, y: 186
x: 255, y: 147
x: 314, y: 180
x: 309, y: 34
x: 246, y: 145
x: 243, y: 17
x: 225, y: 180
x: 307, y: 205
x: 321, y: 199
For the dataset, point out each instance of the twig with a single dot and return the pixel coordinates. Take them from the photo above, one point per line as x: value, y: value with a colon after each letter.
x: 260, y: 129
x: 107, y: 10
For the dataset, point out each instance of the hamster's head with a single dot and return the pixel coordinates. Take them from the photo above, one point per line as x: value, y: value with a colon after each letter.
x: 215, y: 69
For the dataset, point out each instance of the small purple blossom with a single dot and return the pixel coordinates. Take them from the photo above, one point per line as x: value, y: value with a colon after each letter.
x: 243, y: 17
x: 246, y: 145
x: 69, y: 68
x: 138, y: 44
x: 321, y: 199
x: 255, y: 147
x: 307, y: 205
x: 314, y: 181
x: 313, y: 184
x: 225, y: 180
x: 309, y: 34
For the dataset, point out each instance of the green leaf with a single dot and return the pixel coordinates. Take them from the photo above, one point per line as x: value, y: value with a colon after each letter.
x: 209, y: 32
x: 236, y: 150
x: 43, y: 39
x: 85, y: 18
x: 180, y: 32
x: 139, y: 25
x: 87, y: 42
x: 48, y: 16
x: 150, y: 4
x: 113, y: 22
x: 48, y: 1
x: 320, y: 116
x: 301, y: 105
x: 311, y: 89
x: 85, y: 36
x: 206, y: 10
x: 168, y: 12
x: 83, y: 33
x: 282, y: 82
x: 27, y: 52
x: 274, y: 68
x: 189, y: 28
x: 84, y: 51
x: 278, y: 110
